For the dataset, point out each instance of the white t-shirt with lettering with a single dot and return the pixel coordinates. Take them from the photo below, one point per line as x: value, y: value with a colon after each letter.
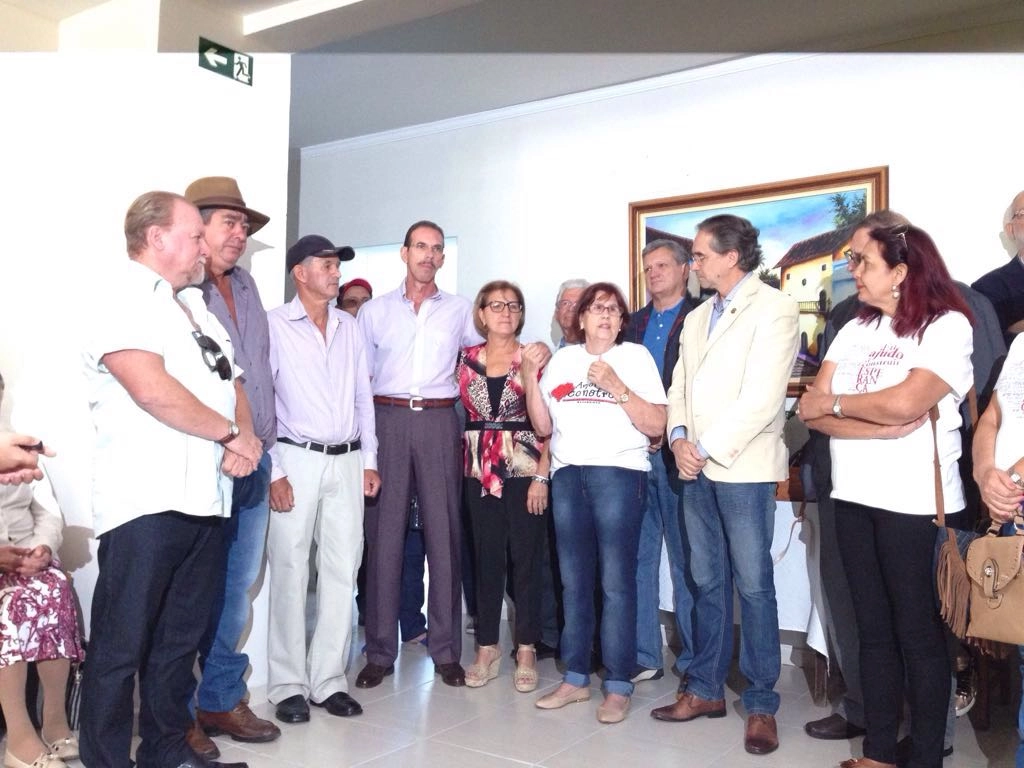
x: 899, y: 474
x: 1010, y: 391
x: 590, y: 425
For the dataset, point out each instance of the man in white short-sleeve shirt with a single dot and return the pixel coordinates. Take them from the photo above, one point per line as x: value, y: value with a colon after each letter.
x: 172, y: 430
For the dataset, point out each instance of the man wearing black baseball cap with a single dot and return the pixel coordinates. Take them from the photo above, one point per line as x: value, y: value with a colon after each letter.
x: 324, y: 462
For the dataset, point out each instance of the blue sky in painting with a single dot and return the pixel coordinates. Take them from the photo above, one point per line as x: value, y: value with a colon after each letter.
x: 782, y: 221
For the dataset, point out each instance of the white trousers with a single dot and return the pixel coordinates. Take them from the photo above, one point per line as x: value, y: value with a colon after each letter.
x: 328, y: 510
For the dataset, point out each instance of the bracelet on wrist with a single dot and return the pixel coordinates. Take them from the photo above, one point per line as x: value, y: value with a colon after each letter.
x: 541, y: 479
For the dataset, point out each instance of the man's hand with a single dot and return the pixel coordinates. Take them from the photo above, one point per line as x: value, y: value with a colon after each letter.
x: 246, y: 446
x: 35, y: 560
x: 234, y: 465
x: 19, y: 458
x: 282, y: 498
x: 371, y: 483
x: 689, y: 462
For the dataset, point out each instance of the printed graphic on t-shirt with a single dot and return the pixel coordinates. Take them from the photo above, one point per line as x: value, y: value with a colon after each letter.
x: 582, y: 392
x: 1011, y: 391
x: 870, y: 373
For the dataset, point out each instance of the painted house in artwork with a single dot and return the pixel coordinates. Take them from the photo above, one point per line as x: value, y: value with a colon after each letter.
x: 806, y: 275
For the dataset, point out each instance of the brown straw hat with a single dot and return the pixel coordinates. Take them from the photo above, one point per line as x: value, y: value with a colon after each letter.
x: 223, y: 192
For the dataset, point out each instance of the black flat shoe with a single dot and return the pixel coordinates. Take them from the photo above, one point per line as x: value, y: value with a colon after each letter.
x: 451, y: 674
x: 339, y: 704
x: 294, y: 709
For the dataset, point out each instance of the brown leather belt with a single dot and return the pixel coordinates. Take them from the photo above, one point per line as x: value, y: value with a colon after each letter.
x: 415, y: 403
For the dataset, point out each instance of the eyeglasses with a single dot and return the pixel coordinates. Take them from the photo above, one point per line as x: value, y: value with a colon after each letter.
x: 213, y: 355
x: 354, y: 302
x: 1017, y: 215
x: 565, y: 304
x: 515, y: 307
x: 605, y: 309
x: 437, y: 250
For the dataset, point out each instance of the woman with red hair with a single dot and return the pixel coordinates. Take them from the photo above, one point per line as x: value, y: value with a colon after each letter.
x: 908, y: 352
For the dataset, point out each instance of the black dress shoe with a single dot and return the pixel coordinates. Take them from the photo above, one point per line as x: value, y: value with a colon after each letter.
x: 833, y: 728
x: 372, y: 675
x: 451, y: 674
x: 200, y: 762
x: 339, y: 704
x: 294, y: 709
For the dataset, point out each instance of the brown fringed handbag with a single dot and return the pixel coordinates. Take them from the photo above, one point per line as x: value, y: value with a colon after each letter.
x: 951, y: 582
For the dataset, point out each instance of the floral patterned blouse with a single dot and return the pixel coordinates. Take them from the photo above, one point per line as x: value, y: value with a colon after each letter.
x: 495, y: 455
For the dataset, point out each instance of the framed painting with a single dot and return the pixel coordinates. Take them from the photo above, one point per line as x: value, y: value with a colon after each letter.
x: 805, y: 226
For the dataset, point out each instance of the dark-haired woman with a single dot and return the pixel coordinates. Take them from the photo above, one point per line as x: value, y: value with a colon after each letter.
x: 603, y: 402
x: 908, y: 350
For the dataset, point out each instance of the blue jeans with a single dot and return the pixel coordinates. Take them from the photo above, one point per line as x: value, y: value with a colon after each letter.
x: 662, y: 520
x: 245, y: 538
x: 730, y: 528
x: 411, y: 621
x: 598, y: 511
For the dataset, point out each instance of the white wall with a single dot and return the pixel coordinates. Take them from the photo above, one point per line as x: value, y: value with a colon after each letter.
x: 82, y: 136
x: 540, y: 194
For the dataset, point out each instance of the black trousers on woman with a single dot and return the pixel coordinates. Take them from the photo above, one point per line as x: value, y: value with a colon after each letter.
x: 500, y: 526
x: 888, y: 558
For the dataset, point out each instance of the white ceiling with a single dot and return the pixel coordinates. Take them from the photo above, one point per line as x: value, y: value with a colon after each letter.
x: 382, y: 64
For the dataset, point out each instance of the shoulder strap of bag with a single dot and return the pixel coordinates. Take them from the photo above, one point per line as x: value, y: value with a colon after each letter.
x: 940, y: 504
x: 933, y: 416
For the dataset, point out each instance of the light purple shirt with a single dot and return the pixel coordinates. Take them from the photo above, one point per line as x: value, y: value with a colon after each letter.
x: 321, y: 386
x: 252, y: 347
x: 412, y: 353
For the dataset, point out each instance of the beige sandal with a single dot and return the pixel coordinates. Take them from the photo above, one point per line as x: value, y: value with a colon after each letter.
x: 478, y: 675
x: 525, y: 678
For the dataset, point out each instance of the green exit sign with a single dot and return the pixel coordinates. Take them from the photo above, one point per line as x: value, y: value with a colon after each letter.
x: 224, y: 61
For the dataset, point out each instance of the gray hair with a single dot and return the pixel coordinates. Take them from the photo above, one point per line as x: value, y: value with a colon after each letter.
x: 734, y: 233
x: 569, y: 285
x: 153, y: 209
x: 1008, y: 216
x: 678, y: 251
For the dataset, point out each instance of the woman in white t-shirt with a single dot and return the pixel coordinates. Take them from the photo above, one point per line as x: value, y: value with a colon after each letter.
x: 908, y: 351
x: 999, y: 456
x: 603, y: 403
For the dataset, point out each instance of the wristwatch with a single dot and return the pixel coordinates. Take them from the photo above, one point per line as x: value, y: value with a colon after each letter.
x: 837, y: 408
x: 231, y: 435
x: 624, y: 397
x: 1017, y: 480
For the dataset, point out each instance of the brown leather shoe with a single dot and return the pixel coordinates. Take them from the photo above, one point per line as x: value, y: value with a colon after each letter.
x: 688, y: 707
x: 762, y: 735
x: 240, y: 724
x: 373, y: 674
x: 865, y: 762
x: 200, y: 743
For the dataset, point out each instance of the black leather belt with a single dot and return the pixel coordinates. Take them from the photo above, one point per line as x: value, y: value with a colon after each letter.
x: 329, y: 450
x: 501, y: 426
x: 415, y: 403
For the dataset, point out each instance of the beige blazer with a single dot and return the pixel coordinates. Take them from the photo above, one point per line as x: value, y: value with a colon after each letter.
x: 729, y: 389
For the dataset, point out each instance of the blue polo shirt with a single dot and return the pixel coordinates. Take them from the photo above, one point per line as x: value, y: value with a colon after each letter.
x: 656, y: 334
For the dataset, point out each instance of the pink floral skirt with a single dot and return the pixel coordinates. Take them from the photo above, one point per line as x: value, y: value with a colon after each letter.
x: 38, y: 620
